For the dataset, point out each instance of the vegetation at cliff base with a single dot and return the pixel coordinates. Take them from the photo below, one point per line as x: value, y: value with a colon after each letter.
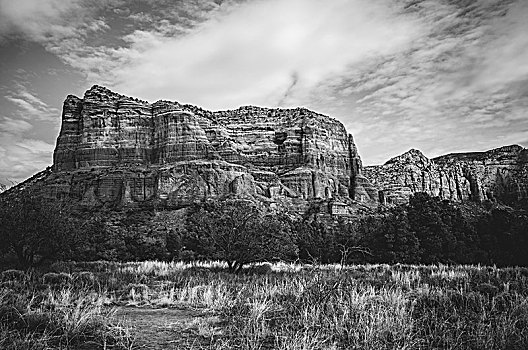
x: 36, y: 231
x: 238, y: 233
x: 426, y: 230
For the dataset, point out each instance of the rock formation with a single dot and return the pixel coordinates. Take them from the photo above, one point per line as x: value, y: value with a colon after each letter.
x: 121, y: 151
x: 497, y: 175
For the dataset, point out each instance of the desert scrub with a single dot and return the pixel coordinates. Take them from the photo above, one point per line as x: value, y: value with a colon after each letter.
x: 57, y: 279
x: 377, y: 307
x: 286, y: 306
x: 12, y: 275
x: 57, y: 319
x: 137, y: 294
x: 471, y: 320
x: 319, y: 310
x: 86, y: 278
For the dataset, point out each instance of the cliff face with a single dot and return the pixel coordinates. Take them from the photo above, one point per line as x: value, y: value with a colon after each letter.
x: 500, y: 174
x: 121, y: 150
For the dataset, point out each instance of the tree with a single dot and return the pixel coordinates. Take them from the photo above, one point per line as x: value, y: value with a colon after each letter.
x: 35, y: 230
x: 237, y: 232
x: 444, y: 234
x: 391, y: 239
x: 504, y: 235
x: 126, y: 236
x: 315, y: 240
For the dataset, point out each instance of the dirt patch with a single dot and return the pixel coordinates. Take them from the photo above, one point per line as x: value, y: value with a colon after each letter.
x: 170, y: 328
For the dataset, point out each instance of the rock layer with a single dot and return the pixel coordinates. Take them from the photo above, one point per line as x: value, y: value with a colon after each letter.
x: 497, y: 175
x: 117, y: 149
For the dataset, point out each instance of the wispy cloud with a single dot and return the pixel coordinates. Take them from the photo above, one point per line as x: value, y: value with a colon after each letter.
x: 458, y: 87
x: 30, y: 106
x: 248, y: 53
x: 14, y: 126
x: 41, y: 21
x: 20, y: 156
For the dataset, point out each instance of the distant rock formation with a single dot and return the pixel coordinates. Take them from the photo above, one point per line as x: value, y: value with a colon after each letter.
x: 497, y: 175
x: 117, y: 150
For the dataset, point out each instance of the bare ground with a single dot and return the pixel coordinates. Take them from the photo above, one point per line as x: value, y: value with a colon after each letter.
x: 170, y: 328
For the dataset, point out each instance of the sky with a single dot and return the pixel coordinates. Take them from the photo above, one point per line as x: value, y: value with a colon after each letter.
x: 441, y: 76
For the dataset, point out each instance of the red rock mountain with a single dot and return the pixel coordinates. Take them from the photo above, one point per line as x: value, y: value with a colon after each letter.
x: 497, y: 175
x: 121, y: 151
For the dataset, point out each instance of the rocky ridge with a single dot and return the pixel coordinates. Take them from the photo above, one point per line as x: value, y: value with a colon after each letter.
x: 120, y: 152
x: 115, y: 150
x: 497, y: 175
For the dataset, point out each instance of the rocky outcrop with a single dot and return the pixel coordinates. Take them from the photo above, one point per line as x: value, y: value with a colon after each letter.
x: 496, y: 175
x: 117, y: 150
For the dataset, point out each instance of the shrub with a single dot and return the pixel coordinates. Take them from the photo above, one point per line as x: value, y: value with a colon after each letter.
x: 52, y: 278
x: 84, y: 277
x: 137, y: 292
x: 259, y: 269
x: 12, y: 275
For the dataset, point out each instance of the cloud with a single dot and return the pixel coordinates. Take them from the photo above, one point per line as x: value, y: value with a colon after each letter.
x: 461, y: 85
x: 14, y: 126
x: 29, y: 106
x: 506, y: 54
x: 38, y: 20
x: 247, y: 53
x: 20, y: 156
x: 289, y: 89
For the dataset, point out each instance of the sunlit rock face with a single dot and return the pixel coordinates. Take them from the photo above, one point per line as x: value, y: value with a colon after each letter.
x: 121, y: 150
x: 496, y: 175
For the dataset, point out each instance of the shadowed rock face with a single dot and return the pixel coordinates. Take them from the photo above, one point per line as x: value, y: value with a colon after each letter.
x: 117, y: 149
x: 500, y: 174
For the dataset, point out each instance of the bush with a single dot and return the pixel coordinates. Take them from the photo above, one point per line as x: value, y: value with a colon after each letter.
x: 58, y: 279
x: 259, y: 269
x: 84, y: 277
x: 12, y: 275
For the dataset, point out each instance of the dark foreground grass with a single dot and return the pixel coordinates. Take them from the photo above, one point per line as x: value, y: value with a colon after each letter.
x: 36, y: 313
x: 276, y: 306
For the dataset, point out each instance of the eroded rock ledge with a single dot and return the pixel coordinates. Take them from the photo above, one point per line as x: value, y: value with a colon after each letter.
x: 121, y: 150
x: 497, y: 175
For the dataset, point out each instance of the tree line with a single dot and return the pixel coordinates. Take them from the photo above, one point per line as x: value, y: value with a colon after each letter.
x: 426, y: 230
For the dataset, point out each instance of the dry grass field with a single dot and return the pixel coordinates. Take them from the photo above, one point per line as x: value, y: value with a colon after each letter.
x: 142, y: 305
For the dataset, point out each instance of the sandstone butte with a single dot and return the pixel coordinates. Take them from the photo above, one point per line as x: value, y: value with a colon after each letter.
x: 120, y: 152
